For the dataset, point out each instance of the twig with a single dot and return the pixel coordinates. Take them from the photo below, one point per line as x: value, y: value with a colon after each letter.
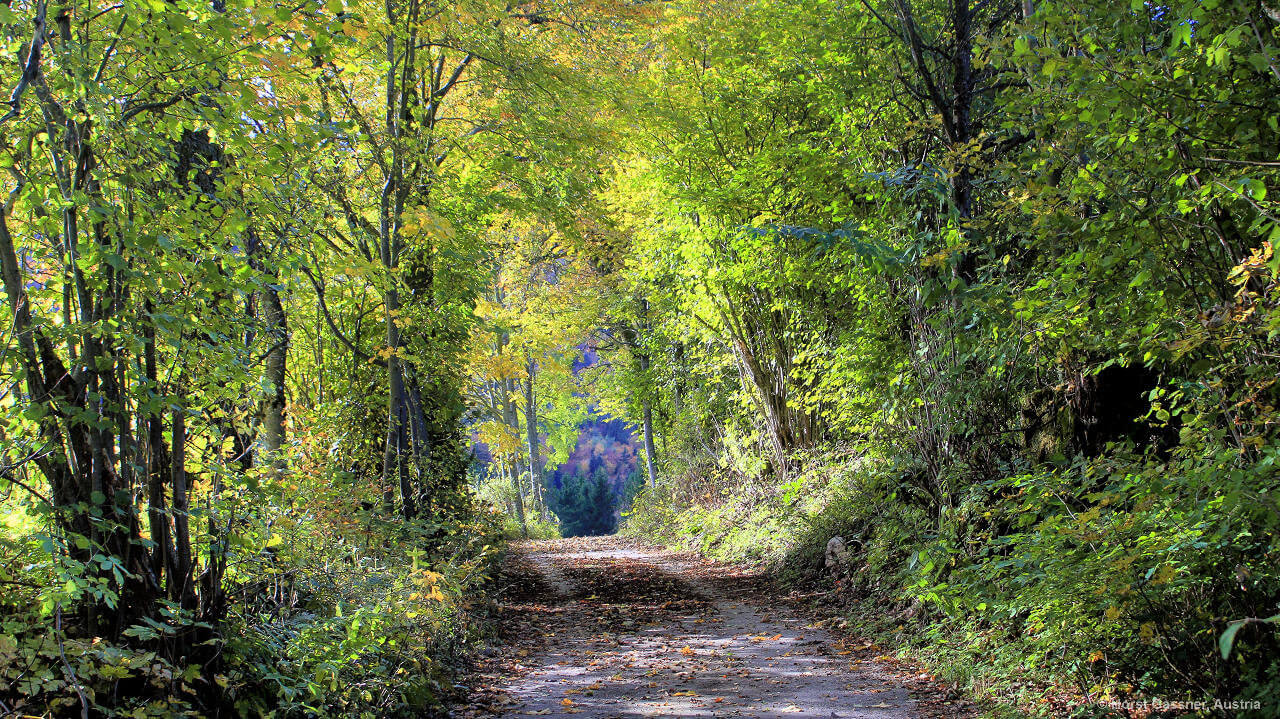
x: 1253, y: 163
x: 106, y: 56
x: 84, y: 702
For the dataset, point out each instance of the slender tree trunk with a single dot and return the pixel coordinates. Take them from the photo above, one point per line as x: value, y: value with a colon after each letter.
x: 179, y: 589
x: 510, y: 416
x: 394, y: 467
x: 419, y: 427
x: 531, y: 426
x: 650, y: 451
x: 540, y: 497
x: 408, y: 497
x: 319, y: 357
x: 514, y: 469
x: 163, y: 553
x: 646, y: 406
x: 273, y: 417
x: 391, y: 208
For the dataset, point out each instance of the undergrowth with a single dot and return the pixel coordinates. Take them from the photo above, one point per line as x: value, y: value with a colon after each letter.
x: 1062, y: 589
x: 332, y: 609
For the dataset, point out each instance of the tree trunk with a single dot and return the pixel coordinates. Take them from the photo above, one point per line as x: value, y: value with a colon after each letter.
x: 649, y: 450
x: 273, y: 417
x: 531, y: 426
x: 650, y: 453
x: 510, y: 417
x: 519, y: 499
x: 420, y: 429
x: 163, y: 554
x: 180, y: 578
x: 395, y: 470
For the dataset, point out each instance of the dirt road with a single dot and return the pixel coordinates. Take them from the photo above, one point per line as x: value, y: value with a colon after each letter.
x: 605, y: 628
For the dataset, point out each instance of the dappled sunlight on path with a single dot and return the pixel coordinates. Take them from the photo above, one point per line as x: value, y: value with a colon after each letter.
x: 602, y: 627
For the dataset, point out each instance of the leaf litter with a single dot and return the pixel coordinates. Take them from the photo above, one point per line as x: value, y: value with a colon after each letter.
x: 609, y: 628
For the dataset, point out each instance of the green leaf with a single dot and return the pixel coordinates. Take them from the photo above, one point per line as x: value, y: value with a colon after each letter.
x: 1229, y: 637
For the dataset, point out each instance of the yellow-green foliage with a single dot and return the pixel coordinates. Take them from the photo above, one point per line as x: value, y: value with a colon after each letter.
x: 499, y: 497
x: 332, y: 611
x: 1105, y: 577
x: 742, y: 518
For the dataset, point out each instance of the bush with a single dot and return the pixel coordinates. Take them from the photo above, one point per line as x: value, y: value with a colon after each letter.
x: 1105, y: 577
x: 499, y: 497
x: 332, y: 609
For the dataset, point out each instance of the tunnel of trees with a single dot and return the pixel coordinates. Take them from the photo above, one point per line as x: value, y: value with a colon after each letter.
x: 309, y: 307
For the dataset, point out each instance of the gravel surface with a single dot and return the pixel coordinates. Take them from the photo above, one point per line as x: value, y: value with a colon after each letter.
x: 603, y: 627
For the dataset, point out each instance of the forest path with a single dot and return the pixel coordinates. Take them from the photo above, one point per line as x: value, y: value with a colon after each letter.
x: 603, y: 627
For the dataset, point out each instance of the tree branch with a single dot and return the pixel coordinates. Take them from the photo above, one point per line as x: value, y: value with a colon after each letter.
x: 32, y: 67
x: 324, y: 309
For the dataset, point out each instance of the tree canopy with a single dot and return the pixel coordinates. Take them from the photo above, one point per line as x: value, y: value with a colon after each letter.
x: 309, y: 308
